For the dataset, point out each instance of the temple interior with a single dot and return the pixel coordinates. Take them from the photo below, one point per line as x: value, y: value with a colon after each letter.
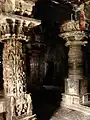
x: 44, y: 60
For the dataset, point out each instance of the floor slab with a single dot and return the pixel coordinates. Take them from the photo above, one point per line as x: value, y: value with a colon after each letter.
x: 68, y: 114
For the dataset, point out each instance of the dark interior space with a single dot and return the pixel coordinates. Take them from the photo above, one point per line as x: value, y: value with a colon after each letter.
x: 48, y: 83
x: 86, y: 51
x: 48, y: 69
x: 46, y: 78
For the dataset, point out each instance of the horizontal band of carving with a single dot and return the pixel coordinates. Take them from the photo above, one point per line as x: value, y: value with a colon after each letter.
x: 6, y: 37
x: 76, y: 43
x: 16, y: 27
x: 70, y: 26
x: 72, y: 35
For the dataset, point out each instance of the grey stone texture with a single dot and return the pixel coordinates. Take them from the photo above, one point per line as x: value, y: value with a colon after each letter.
x: 68, y: 114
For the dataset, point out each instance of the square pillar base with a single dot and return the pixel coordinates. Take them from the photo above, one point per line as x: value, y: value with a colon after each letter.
x: 73, y: 102
x: 70, y: 99
x: 31, y: 117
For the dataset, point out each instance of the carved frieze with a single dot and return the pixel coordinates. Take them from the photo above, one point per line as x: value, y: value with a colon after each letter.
x: 14, y: 76
x: 69, y: 26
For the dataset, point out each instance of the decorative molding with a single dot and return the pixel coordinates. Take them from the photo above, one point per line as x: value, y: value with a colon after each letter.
x: 14, y: 27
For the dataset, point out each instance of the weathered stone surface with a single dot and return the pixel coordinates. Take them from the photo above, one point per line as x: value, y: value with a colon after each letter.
x: 68, y: 114
x: 70, y: 26
x: 19, y: 103
x: 7, y: 6
x: 26, y: 4
x: 14, y: 30
x: 76, y: 81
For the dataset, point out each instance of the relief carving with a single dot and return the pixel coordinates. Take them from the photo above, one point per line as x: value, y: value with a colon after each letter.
x: 13, y: 33
x: 15, y: 78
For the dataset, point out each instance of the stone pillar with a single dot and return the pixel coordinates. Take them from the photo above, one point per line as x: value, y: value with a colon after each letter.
x: 18, y: 102
x: 76, y: 84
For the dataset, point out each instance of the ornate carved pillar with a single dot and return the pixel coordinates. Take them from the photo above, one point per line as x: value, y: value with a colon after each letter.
x: 76, y: 84
x: 18, y: 102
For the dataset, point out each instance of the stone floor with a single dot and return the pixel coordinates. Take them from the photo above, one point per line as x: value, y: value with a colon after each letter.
x: 46, y: 104
x: 68, y: 114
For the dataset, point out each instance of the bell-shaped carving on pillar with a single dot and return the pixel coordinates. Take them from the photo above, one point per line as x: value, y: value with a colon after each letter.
x: 23, y: 27
x: 3, y: 30
x: 7, y: 29
x: 11, y: 27
x: 17, y: 27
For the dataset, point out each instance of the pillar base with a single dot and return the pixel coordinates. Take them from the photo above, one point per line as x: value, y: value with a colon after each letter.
x: 33, y: 117
x: 73, y: 102
x: 70, y: 99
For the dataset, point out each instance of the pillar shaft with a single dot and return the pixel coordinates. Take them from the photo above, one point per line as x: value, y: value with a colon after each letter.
x: 75, y: 74
x: 13, y: 33
x: 76, y: 82
x: 13, y: 68
x: 18, y: 101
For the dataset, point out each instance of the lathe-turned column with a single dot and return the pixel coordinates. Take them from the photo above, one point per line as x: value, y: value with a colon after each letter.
x: 76, y: 84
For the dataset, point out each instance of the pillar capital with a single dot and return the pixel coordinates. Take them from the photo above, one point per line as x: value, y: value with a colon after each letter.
x: 70, y: 32
x: 16, y: 28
